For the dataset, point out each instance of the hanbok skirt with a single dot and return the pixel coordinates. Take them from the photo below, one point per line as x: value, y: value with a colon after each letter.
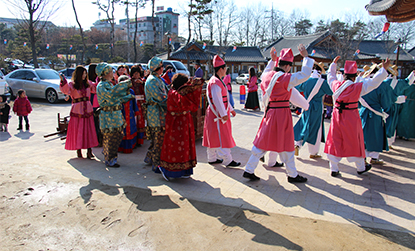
x: 252, y: 101
x: 81, y: 133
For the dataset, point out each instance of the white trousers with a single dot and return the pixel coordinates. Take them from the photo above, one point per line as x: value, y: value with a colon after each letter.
x: 219, y: 153
x: 286, y: 157
x: 373, y: 155
x: 392, y: 139
x: 334, y: 162
x: 272, y: 158
x: 312, y: 149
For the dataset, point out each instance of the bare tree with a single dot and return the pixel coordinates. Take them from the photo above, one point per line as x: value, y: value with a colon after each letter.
x: 35, y: 14
x: 225, y: 17
x: 198, y: 9
x: 81, y: 32
x: 109, y: 8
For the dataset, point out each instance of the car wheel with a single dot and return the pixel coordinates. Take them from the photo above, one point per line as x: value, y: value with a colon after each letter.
x: 51, y: 96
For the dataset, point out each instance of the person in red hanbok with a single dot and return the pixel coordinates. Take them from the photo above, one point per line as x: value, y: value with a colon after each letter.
x: 276, y: 132
x: 345, y: 136
x: 217, y: 130
x: 81, y: 128
x: 252, y: 101
x: 129, y: 111
x: 178, y: 153
x: 138, y: 87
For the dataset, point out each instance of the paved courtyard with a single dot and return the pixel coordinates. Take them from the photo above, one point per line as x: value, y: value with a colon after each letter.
x: 382, y: 198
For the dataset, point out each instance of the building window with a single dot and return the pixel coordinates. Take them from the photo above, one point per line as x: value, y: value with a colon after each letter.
x: 144, y: 24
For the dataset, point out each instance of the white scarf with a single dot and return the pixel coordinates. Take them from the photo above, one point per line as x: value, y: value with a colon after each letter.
x: 271, y: 85
x: 339, y: 91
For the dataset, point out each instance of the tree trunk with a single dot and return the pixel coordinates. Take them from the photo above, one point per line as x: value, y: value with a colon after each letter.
x: 32, y: 33
x: 128, y: 33
x: 189, y: 16
x: 81, y: 31
x: 135, y: 32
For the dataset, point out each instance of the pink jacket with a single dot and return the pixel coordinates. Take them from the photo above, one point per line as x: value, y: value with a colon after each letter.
x: 81, y: 106
x: 252, y: 86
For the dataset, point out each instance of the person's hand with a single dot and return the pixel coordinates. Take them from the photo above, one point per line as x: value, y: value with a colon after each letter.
x: 361, y: 73
x: 233, y: 113
x: 302, y: 50
x: 336, y: 59
x: 225, y: 118
x: 273, y: 54
x: 386, y: 63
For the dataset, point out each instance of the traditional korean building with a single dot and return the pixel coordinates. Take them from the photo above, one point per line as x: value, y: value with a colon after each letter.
x: 238, y: 59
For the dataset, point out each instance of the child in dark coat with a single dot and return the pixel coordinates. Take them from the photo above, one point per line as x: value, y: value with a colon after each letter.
x: 22, y: 108
x: 4, y: 114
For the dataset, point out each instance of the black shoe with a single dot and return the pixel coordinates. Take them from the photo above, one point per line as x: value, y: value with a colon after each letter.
x: 278, y: 164
x: 250, y: 176
x: 19, y: 128
x: 335, y: 174
x: 218, y: 161
x: 116, y: 165
x: 262, y: 159
x: 298, y: 179
x: 233, y: 163
x: 367, y: 168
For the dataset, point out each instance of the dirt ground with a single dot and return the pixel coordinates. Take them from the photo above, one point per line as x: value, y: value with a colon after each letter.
x: 43, y: 211
x: 47, y: 205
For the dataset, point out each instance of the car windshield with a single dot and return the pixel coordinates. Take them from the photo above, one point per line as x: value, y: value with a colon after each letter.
x: 179, y: 66
x: 47, y: 74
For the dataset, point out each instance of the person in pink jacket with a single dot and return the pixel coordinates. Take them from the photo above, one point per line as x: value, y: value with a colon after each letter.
x: 217, y: 131
x: 252, y: 101
x: 345, y: 136
x: 275, y: 133
x: 22, y: 108
x: 81, y: 128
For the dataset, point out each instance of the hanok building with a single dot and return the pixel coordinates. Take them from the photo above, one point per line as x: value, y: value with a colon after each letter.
x: 238, y: 59
x: 325, y: 46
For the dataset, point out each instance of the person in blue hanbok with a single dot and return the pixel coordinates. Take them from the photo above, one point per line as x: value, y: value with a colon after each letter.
x: 129, y: 111
x: 111, y: 120
x: 309, y: 128
x: 398, y: 86
x: 373, y: 117
x: 156, y: 101
x: 406, y: 122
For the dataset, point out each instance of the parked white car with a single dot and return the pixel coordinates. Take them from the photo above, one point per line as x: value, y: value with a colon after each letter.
x: 242, y: 79
x: 38, y: 83
x: 178, y: 67
x: 4, y: 87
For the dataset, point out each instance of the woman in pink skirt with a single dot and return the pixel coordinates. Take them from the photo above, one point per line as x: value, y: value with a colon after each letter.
x: 81, y: 128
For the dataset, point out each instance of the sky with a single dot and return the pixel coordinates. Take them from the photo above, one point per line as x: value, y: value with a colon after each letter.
x: 88, y: 12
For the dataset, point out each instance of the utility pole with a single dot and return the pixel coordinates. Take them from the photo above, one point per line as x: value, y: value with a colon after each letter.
x: 272, y: 21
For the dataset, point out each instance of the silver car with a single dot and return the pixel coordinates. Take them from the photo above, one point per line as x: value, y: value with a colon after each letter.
x: 38, y: 83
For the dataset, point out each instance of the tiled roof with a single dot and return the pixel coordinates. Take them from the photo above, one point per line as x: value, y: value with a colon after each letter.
x: 384, y: 49
x: 412, y: 51
x: 292, y: 42
x: 242, y: 54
